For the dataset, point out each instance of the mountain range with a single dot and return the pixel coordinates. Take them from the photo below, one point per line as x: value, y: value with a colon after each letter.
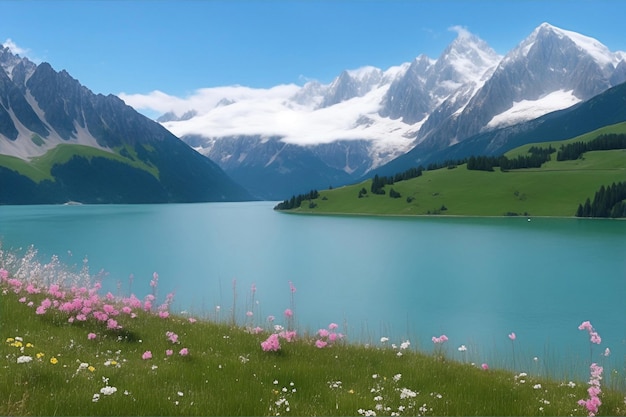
x: 289, y: 139
x: 60, y: 142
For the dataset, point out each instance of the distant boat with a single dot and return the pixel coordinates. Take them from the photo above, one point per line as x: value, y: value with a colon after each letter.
x: 72, y: 203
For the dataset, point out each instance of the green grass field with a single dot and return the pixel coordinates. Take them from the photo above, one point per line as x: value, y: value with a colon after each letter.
x: 39, y: 168
x: 54, y: 365
x: 555, y: 189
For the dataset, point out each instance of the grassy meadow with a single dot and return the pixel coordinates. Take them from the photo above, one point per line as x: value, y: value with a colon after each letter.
x: 555, y: 189
x: 66, y: 349
x: 40, y: 168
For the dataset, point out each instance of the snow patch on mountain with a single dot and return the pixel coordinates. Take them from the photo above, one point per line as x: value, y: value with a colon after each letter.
x: 525, y: 110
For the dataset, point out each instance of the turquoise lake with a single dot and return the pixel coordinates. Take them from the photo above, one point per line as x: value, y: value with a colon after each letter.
x: 474, y: 279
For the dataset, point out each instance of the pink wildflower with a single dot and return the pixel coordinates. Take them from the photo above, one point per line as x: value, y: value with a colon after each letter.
x: 484, y: 366
x: 164, y: 314
x: 332, y: 326
x: 173, y: 337
x: 291, y: 287
x: 112, y: 324
x: 91, y: 336
x: 323, y: 332
x: 169, y: 352
x: 289, y: 335
x: 249, y: 313
x: 184, y: 352
x: 585, y: 325
x: 271, y: 344
x: 146, y: 355
x: 4, y: 274
x: 288, y: 313
x: 320, y: 343
x: 512, y: 336
x: 40, y: 310
x: 22, y: 300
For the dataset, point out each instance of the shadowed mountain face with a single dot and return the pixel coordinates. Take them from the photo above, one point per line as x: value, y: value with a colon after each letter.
x: 138, y: 161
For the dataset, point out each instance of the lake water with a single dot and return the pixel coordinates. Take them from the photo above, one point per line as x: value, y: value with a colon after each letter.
x: 474, y: 279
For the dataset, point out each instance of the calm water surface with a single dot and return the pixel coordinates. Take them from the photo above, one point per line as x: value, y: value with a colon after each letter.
x: 475, y: 280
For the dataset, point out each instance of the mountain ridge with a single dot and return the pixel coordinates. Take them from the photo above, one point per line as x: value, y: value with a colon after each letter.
x: 424, y: 106
x: 41, y: 109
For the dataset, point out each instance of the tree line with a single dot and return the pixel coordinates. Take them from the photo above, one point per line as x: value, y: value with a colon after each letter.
x: 605, y: 142
x: 536, y: 158
x: 296, y: 200
x: 607, y: 202
x: 379, y: 182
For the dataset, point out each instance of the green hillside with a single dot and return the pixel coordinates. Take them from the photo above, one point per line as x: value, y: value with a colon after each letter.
x: 555, y: 189
x: 40, y: 168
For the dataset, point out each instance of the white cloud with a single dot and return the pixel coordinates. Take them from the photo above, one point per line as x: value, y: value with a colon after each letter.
x: 237, y: 110
x: 16, y: 50
x: 461, y: 31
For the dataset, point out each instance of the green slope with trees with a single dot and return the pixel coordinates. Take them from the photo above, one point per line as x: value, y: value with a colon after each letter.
x: 556, y: 188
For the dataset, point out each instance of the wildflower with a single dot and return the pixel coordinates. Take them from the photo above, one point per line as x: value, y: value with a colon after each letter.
x: 95, y: 398
x: 91, y: 369
x: 441, y: 339
x: 54, y: 360
x: 320, y: 344
x: 184, y: 352
x: 91, y: 336
x: 24, y: 359
x: 271, y: 343
x: 462, y: 348
x: 108, y: 390
x: 537, y: 386
x: 169, y: 352
x: 40, y: 355
x: 173, y: 337
x: 146, y: 355
x: 192, y: 320
x: 164, y: 314
x: 607, y: 352
x: 384, y: 339
x: 332, y: 326
x: 484, y: 366
x: 404, y: 345
x: 397, y: 377
x: 323, y: 333
x: 288, y: 313
x: 512, y: 336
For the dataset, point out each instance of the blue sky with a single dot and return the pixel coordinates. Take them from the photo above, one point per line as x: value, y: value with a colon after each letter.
x: 180, y: 46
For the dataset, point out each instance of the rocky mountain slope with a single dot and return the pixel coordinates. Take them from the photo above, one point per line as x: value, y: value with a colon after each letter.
x: 60, y: 142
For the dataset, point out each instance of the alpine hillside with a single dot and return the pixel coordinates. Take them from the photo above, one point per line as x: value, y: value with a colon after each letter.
x: 287, y: 139
x: 60, y: 142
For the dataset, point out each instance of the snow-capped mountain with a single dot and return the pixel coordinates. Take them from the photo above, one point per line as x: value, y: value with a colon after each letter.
x: 550, y: 70
x: 367, y: 117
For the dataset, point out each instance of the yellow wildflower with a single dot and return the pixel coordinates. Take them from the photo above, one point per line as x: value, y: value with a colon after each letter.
x: 29, y: 345
x: 91, y: 368
x: 113, y: 363
x: 40, y: 355
x: 54, y: 360
x: 10, y: 340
